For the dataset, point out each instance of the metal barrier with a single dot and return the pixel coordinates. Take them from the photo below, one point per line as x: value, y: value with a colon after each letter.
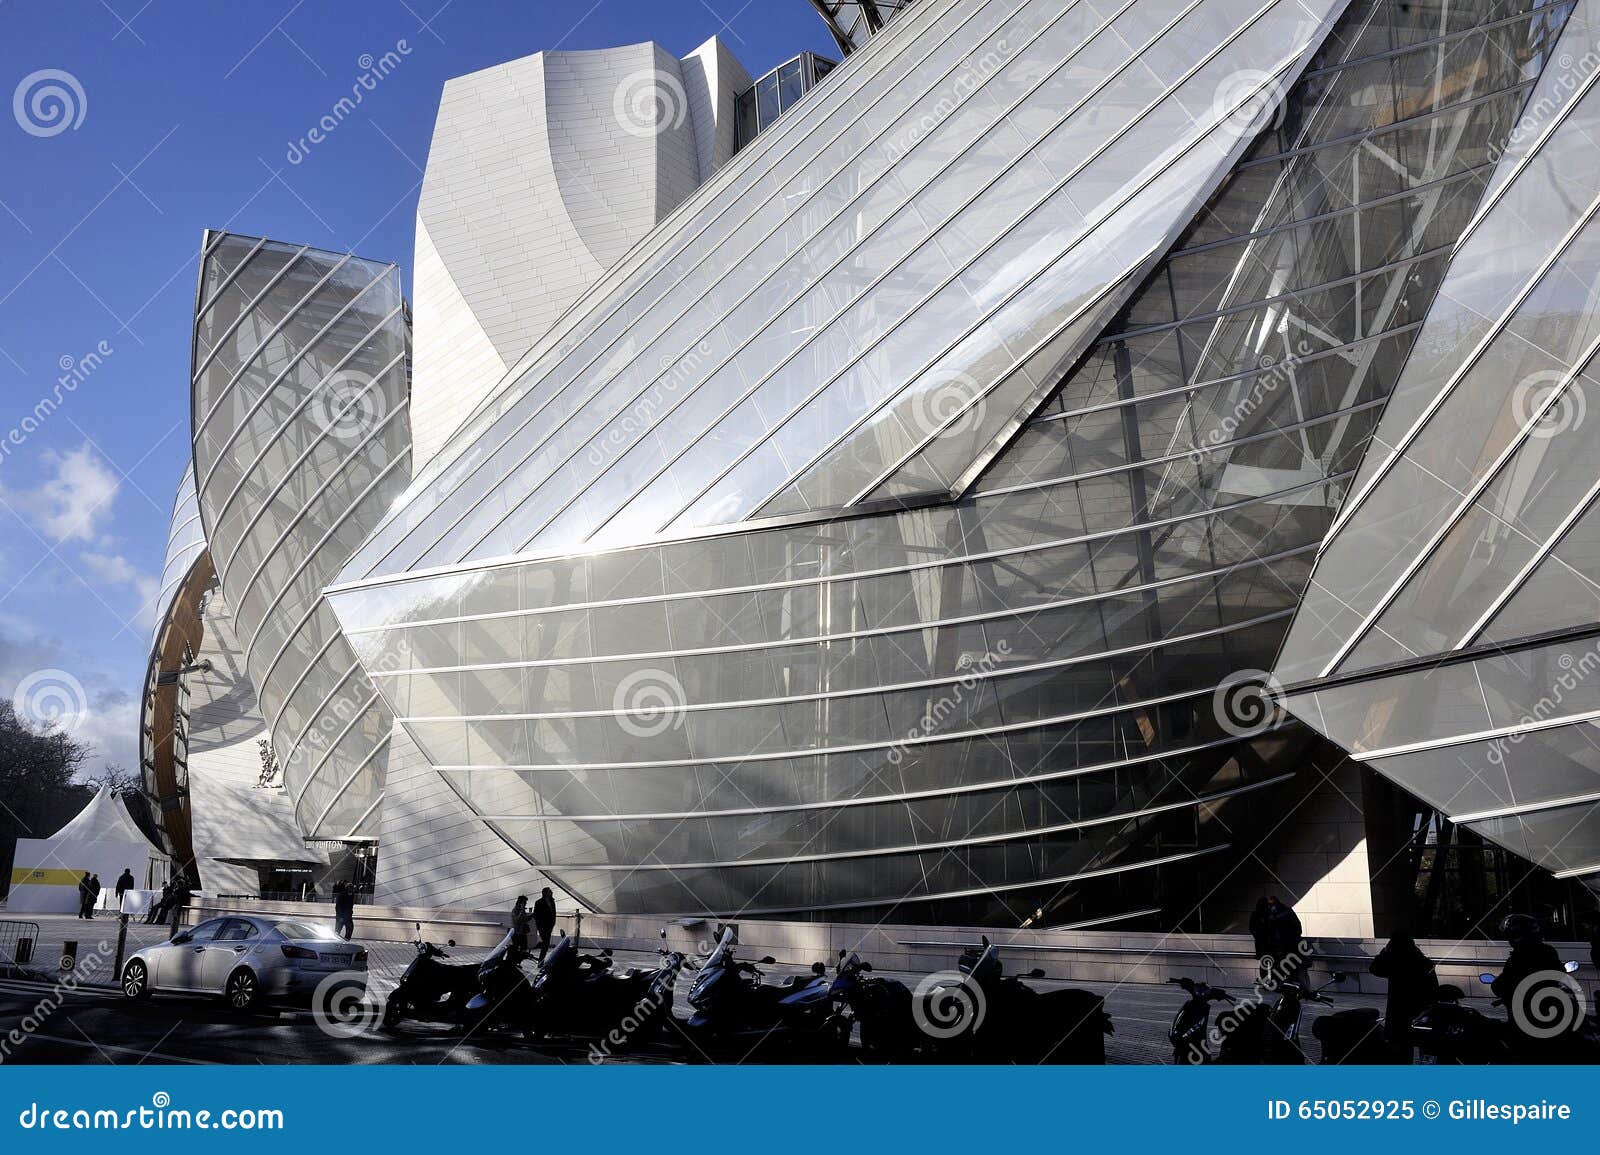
x: 18, y: 941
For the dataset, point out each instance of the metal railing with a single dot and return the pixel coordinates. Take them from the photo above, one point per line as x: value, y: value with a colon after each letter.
x: 18, y: 943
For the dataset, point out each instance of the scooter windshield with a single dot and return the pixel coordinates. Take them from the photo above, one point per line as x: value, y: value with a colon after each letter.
x: 499, y: 953
x: 723, y: 951
x: 558, y: 954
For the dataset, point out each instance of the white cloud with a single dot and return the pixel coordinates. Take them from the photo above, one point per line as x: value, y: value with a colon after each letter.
x: 116, y: 570
x: 75, y: 502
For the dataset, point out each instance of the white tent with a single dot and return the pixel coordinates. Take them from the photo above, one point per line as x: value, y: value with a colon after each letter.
x: 102, y: 840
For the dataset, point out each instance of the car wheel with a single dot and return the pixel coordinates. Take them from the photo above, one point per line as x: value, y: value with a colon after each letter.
x: 242, y: 990
x: 136, y: 980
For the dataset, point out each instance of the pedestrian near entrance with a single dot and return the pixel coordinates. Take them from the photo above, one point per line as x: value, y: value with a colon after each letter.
x: 83, y: 896
x: 1413, y: 984
x: 158, y: 908
x: 124, y: 884
x: 1261, y: 936
x: 544, y: 920
x: 94, y: 896
x: 1284, y: 935
x: 344, y: 911
x: 176, y: 902
x: 521, y: 919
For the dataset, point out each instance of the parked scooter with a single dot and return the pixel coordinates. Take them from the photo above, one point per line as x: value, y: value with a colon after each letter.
x: 1271, y: 1035
x: 579, y: 994
x: 430, y: 989
x: 1191, y: 1026
x: 733, y: 1006
x: 505, y: 996
x: 1450, y: 1033
x: 1013, y: 1022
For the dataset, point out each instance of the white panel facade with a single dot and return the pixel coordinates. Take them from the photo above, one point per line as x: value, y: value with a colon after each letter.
x: 543, y: 171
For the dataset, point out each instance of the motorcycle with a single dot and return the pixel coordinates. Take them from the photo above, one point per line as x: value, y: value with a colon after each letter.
x: 881, y: 1006
x: 1449, y: 1033
x: 1191, y: 1026
x: 999, y: 1018
x: 431, y: 989
x: 578, y: 994
x: 733, y: 1006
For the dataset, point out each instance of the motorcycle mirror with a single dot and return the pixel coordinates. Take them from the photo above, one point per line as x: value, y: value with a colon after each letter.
x: 606, y: 952
x: 818, y: 969
x: 1486, y: 979
x: 841, y: 952
x: 866, y: 966
x: 1339, y: 976
x: 1036, y: 973
x: 449, y: 942
x: 1571, y: 968
x: 767, y: 960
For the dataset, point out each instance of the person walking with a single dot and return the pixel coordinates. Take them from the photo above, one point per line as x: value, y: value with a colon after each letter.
x: 94, y: 896
x: 124, y: 884
x: 544, y: 920
x: 344, y: 911
x: 83, y: 896
x: 1413, y: 984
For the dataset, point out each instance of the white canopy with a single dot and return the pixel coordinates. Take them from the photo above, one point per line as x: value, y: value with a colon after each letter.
x: 102, y: 840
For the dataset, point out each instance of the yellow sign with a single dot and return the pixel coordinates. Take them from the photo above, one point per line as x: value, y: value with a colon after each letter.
x: 44, y: 876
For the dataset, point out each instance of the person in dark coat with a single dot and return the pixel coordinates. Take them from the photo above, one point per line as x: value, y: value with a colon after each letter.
x: 344, y: 911
x: 1535, y: 962
x: 158, y: 908
x: 1260, y: 934
x: 1413, y: 983
x: 94, y: 896
x: 83, y: 896
x: 176, y: 902
x: 521, y: 920
x: 1284, y: 936
x: 544, y: 920
x: 124, y: 884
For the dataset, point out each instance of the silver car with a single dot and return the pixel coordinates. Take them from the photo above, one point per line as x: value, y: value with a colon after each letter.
x: 248, y: 960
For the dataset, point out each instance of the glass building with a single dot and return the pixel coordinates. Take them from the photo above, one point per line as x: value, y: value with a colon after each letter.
x: 920, y: 519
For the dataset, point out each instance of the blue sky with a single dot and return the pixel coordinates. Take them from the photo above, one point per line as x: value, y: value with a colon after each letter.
x: 182, y: 117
